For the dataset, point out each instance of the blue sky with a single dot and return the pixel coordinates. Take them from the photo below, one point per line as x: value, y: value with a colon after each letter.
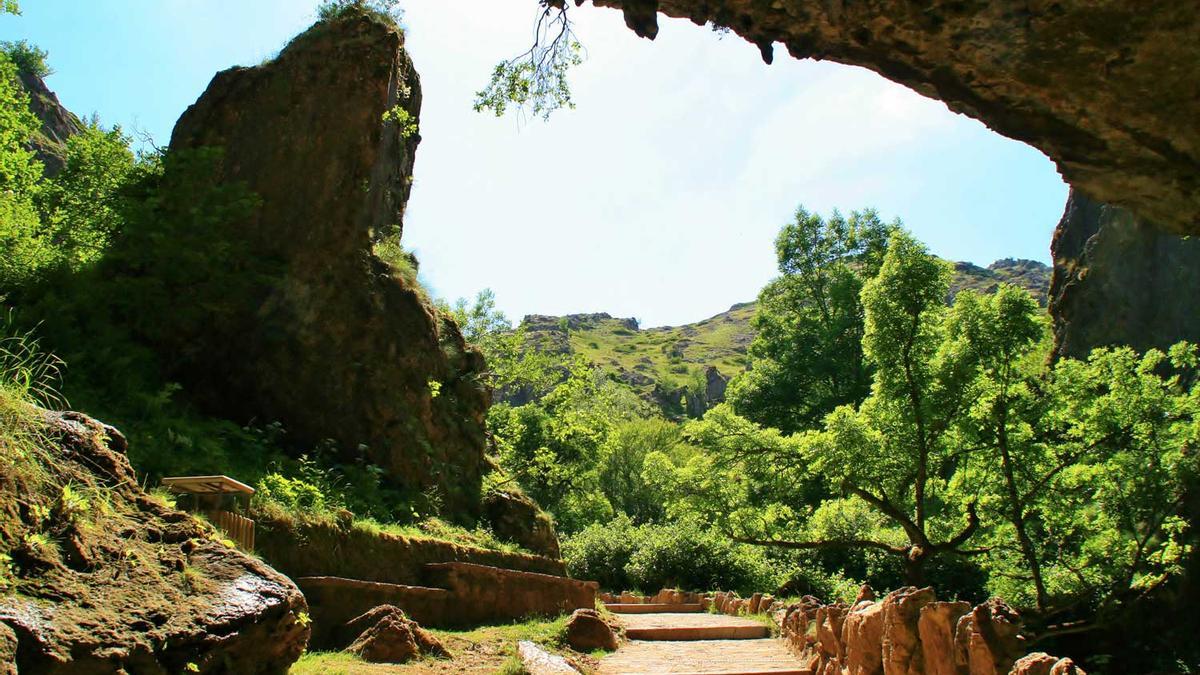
x: 658, y: 197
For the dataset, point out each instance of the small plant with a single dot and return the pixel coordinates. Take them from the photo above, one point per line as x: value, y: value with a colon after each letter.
x: 512, y: 666
x: 38, y: 541
x: 435, y: 388
x: 73, y: 505
x: 303, y: 619
x: 403, y: 119
x: 8, y: 575
x: 193, y: 578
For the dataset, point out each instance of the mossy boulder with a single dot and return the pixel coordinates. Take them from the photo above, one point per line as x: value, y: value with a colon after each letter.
x: 101, y: 577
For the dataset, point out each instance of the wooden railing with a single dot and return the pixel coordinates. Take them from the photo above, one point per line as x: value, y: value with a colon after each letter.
x: 238, y: 528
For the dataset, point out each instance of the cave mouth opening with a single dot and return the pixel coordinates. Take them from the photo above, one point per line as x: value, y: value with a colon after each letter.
x: 685, y: 201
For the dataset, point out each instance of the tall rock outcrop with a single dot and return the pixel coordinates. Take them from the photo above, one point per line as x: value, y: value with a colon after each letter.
x: 58, y: 124
x: 1121, y: 281
x: 337, y: 345
x: 98, y: 577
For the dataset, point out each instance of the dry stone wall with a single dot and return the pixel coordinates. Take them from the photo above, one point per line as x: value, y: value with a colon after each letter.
x: 907, y: 632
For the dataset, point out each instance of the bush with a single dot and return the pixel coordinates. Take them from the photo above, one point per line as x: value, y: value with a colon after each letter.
x: 29, y: 58
x: 600, y: 551
x: 385, y: 10
x: 621, y: 556
x: 293, y: 494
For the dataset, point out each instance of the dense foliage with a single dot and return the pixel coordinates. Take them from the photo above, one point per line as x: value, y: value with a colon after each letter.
x: 683, y: 555
x: 807, y: 357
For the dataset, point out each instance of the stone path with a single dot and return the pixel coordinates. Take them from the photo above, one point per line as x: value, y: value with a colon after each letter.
x: 701, y: 656
x: 685, y: 642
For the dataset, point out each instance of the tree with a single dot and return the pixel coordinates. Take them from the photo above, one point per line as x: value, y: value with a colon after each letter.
x: 29, y: 58
x: 1086, y: 468
x: 478, y: 321
x: 81, y: 207
x: 24, y: 247
x: 622, y: 464
x: 894, y: 452
x: 536, y: 80
x: 554, y: 446
x: 806, y: 358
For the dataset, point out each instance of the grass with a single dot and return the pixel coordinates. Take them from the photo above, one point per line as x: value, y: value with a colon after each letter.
x: 430, y: 529
x: 486, y: 650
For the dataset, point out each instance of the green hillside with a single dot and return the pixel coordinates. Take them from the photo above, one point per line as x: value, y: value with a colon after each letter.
x: 684, y: 369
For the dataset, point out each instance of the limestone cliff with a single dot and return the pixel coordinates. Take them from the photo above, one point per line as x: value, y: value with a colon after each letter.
x: 1121, y: 281
x: 1107, y: 90
x: 337, y: 345
x: 96, y: 576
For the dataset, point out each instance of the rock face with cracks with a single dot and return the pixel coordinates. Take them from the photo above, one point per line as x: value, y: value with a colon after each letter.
x: 339, y: 345
x: 1109, y: 91
x: 58, y: 124
x: 1121, y: 281
x: 107, y: 579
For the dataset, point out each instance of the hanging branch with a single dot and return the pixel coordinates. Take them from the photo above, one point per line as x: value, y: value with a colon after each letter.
x: 536, y: 80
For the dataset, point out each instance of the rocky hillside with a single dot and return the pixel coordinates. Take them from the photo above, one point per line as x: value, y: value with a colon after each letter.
x: 684, y: 369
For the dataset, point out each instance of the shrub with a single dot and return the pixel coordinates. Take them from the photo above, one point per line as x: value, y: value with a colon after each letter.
x: 385, y: 10
x: 622, y: 556
x: 683, y: 555
x: 293, y: 494
x: 29, y: 58
x: 600, y: 551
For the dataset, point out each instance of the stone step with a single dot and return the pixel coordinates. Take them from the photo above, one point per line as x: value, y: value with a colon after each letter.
x: 691, y: 626
x: 709, y: 657
x: 665, y: 608
x: 333, y: 601
x: 678, y: 633
x: 785, y: 671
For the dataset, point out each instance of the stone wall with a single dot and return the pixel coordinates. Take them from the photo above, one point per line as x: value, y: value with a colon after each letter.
x: 326, y: 549
x: 451, y: 595
x: 908, y: 632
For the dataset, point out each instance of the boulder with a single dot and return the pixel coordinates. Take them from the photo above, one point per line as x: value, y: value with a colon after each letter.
x: 986, y: 640
x: 753, y: 604
x: 865, y: 592
x: 386, y: 635
x: 902, y: 654
x: 1037, y: 663
x: 936, y: 627
x: 134, y: 585
x: 1101, y: 92
x: 516, y: 518
x: 587, y: 631
x: 329, y: 339
x: 862, y: 636
x: 831, y: 620
x: 1066, y: 667
x: 538, y: 661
